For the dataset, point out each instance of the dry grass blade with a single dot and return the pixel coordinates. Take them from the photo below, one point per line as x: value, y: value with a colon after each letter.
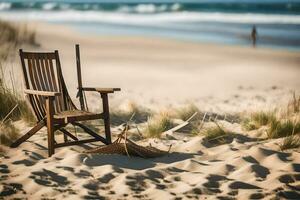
x: 158, y: 124
x: 258, y: 119
x: 8, y: 114
x: 290, y: 142
x: 283, y: 128
x: 216, y: 134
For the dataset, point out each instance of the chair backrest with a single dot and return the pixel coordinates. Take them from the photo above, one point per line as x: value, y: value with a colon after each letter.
x: 42, y: 71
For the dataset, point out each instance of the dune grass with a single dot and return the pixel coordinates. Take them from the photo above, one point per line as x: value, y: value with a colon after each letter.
x: 8, y: 133
x: 12, y: 105
x: 216, y: 134
x: 10, y: 100
x: 12, y: 108
x: 138, y: 114
x: 12, y: 35
x: 290, y: 142
x: 258, y: 119
x: 294, y: 105
x: 283, y: 128
x: 186, y: 112
x: 158, y: 123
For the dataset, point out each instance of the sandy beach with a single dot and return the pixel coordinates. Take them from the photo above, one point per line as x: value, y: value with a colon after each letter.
x: 157, y: 72
x: 163, y: 74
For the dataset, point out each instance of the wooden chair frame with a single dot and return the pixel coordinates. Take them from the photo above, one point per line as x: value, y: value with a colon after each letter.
x: 49, y: 99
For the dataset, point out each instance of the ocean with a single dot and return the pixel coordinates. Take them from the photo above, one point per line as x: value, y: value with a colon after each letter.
x: 207, y: 21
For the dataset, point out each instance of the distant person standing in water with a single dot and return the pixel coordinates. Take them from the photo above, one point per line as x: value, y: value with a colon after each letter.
x: 254, y: 36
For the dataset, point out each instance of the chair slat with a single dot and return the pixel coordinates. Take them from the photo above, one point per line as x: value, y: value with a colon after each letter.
x: 54, y: 82
x: 33, y: 85
x: 39, y: 74
x: 35, y: 71
x: 52, y: 75
x: 44, y: 74
x: 30, y: 72
x: 35, y: 74
x: 27, y: 55
x: 50, y: 78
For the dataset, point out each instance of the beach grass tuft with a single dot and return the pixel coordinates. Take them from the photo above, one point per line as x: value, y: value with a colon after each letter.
x: 15, y: 107
x: 16, y: 34
x: 138, y: 114
x: 186, y: 112
x: 290, y: 142
x: 294, y: 104
x: 216, y: 134
x: 8, y: 133
x: 258, y: 119
x: 11, y: 100
x: 283, y: 128
x: 158, y: 123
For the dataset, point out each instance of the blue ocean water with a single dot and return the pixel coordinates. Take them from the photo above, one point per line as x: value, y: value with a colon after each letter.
x: 213, y: 21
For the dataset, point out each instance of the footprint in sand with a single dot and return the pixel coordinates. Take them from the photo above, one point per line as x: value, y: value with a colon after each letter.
x: 256, y: 196
x: 70, y: 169
x: 83, y: 174
x: 250, y: 159
x: 242, y: 185
x: 32, y: 159
x: 296, y: 167
x: 229, y: 168
x: 137, y: 183
x: 92, y: 188
x: 49, y: 178
x: 289, y: 178
x: 289, y: 194
x: 213, y: 183
x: 11, y: 188
x: 25, y: 162
x: 106, y: 178
x: 260, y: 171
x: 4, y: 169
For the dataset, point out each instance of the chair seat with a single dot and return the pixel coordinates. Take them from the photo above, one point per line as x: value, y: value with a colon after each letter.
x: 69, y: 116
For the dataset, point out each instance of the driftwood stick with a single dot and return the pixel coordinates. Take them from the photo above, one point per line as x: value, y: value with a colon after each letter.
x: 179, y: 126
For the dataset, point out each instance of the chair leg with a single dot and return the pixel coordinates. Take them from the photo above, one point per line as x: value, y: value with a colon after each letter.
x: 91, y: 132
x: 30, y: 133
x: 67, y: 133
x: 50, y: 126
x: 106, y: 117
x: 65, y: 137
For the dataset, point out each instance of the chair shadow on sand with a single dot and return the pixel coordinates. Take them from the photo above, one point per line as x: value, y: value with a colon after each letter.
x: 93, y: 160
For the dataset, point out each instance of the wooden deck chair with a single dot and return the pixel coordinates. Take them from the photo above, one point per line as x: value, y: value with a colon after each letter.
x: 49, y: 99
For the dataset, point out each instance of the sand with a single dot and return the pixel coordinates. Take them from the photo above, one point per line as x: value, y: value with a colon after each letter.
x: 243, y: 168
x: 159, y: 73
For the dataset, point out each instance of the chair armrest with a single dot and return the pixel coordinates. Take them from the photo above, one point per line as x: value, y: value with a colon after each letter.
x: 101, y: 90
x: 42, y: 93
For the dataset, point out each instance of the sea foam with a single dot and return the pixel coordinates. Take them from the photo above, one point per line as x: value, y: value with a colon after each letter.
x: 133, y: 18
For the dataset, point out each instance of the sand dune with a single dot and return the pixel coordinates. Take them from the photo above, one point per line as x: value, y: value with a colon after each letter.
x: 243, y: 168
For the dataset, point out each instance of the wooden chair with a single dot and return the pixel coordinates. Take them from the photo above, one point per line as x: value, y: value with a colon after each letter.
x: 49, y: 99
